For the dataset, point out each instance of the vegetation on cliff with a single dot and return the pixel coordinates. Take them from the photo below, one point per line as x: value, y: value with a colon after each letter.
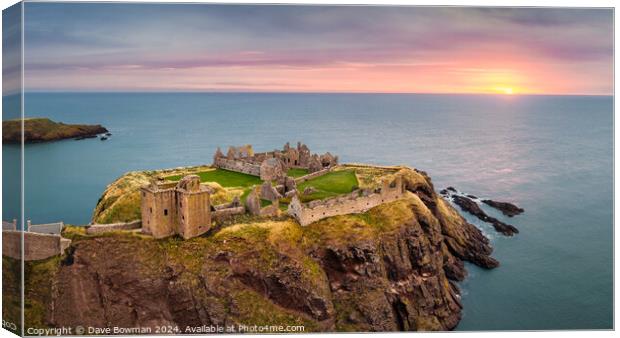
x: 120, y: 202
x: 391, y: 268
x: 43, y: 130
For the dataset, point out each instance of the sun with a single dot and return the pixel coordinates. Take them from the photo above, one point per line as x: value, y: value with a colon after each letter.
x: 508, y: 91
x: 504, y: 90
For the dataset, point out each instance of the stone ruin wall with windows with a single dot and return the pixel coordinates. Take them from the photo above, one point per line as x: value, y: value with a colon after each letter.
x: 182, y: 208
x: 355, y: 202
x: 243, y: 159
x: 176, y: 208
x: 237, y: 165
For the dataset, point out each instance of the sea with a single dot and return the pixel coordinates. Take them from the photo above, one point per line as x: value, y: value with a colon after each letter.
x: 551, y: 155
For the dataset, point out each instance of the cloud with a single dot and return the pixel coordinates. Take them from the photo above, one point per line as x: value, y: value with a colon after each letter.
x: 143, y: 39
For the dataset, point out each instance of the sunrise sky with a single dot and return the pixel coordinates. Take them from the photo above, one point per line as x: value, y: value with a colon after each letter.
x: 180, y: 47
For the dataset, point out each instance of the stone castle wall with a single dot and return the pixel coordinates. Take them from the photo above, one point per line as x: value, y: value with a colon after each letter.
x: 357, y: 201
x: 312, y: 175
x: 194, y: 210
x: 159, y: 213
x: 238, y: 166
x: 101, y: 228
x: 36, y: 246
x: 226, y: 213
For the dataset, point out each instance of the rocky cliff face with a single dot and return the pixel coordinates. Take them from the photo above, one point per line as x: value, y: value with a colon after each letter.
x: 390, y: 269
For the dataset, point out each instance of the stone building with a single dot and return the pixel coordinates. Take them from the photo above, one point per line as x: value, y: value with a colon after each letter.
x: 273, y: 164
x: 182, y: 208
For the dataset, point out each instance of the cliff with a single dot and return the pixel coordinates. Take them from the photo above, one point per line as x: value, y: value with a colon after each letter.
x: 43, y: 130
x: 391, y: 268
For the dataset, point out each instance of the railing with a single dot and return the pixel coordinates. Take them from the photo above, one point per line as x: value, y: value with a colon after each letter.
x: 48, y: 228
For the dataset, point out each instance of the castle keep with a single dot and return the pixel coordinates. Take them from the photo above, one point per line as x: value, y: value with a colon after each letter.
x: 176, y: 208
x: 273, y: 164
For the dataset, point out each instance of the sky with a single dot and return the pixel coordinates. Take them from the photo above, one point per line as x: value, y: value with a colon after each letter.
x: 197, y: 47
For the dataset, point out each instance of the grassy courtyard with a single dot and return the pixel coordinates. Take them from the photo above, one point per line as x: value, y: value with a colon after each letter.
x: 329, y: 185
x: 297, y: 172
x: 225, y: 178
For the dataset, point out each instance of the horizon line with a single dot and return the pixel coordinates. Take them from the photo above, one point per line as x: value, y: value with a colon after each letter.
x: 288, y: 92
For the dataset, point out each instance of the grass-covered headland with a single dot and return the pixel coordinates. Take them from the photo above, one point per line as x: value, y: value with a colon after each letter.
x: 39, y: 129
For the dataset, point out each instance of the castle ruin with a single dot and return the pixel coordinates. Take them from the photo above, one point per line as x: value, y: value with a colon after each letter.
x: 182, y: 208
x: 272, y: 165
x: 357, y: 201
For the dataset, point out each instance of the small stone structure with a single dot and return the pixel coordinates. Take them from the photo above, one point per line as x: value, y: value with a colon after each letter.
x: 37, y: 246
x: 183, y: 208
x: 48, y: 228
x: 268, y: 192
x: 9, y: 225
x: 272, y: 165
x: 355, y: 202
x: 253, y: 205
x: 225, y: 211
x: 101, y: 228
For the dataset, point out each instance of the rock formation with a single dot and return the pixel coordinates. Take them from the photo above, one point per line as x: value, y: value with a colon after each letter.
x: 506, y: 208
x: 472, y: 207
x: 342, y: 273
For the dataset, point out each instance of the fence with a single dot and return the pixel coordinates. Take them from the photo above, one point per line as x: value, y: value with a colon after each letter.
x: 49, y: 228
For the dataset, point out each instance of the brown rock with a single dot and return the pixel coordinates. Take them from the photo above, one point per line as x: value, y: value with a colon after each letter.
x: 472, y: 207
x: 506, y: 208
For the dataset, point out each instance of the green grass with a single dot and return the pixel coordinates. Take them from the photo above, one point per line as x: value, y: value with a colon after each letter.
x: 225, y: 178
x: 329, y: 185
x: 297, y: 172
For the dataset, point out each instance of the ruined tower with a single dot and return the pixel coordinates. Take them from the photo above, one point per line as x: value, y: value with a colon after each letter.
x: 182, y: 208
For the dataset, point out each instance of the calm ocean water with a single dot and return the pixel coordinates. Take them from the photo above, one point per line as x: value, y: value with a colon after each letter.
x: 551, y: 155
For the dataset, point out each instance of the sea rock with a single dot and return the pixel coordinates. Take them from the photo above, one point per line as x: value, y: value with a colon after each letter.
x: 473, y: 208
x: 506, y: 208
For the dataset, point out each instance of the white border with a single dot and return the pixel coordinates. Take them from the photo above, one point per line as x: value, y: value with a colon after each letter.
x: 488, y: 3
